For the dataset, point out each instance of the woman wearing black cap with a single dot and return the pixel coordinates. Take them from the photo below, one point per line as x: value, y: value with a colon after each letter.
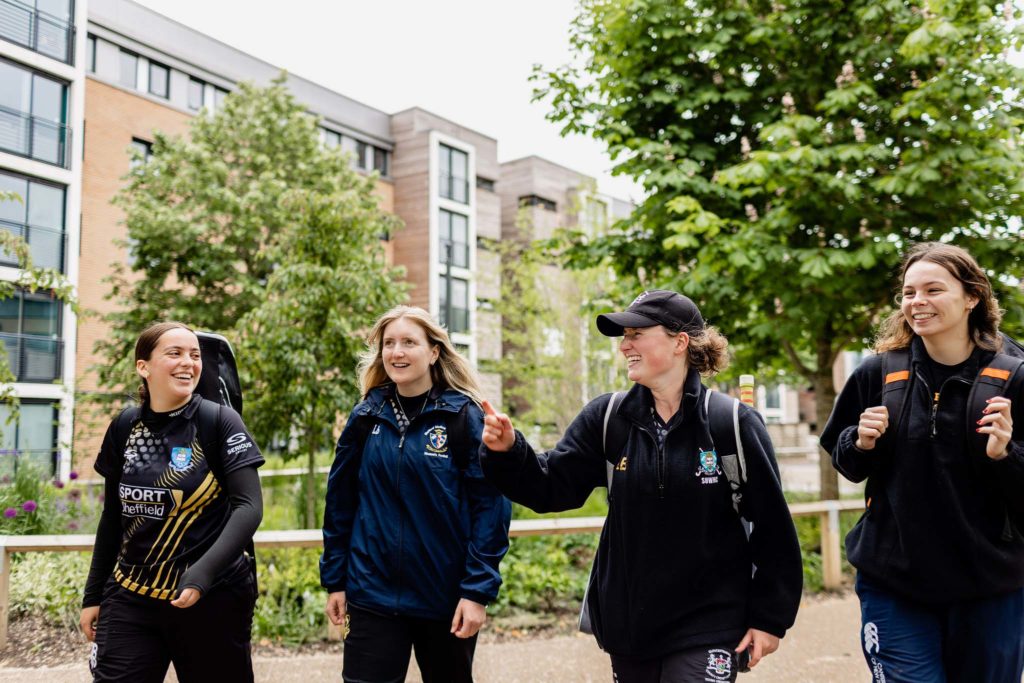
x: 673, y: 596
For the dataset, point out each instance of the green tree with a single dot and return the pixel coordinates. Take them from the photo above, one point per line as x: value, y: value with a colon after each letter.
x: 31, y: 279
x: 791, y: 150
x: 553, y: 359
x: 250, y: 227
x: 300, y: 343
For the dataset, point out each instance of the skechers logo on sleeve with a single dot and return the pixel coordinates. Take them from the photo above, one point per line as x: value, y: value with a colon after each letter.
x: 238, y: 443
x: 145, y: 501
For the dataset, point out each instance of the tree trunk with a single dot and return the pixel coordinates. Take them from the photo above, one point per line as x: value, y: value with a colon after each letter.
x: 824, y: 398
x: 311, y: 485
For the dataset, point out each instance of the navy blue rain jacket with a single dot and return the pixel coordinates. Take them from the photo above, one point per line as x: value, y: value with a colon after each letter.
x: 407, y: 530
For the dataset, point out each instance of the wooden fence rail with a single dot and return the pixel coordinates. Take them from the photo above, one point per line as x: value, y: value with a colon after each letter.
x: 827, y: 511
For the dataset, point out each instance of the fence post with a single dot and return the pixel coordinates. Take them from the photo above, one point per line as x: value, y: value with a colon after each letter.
x: 5, y: 586
x: 831, y: 560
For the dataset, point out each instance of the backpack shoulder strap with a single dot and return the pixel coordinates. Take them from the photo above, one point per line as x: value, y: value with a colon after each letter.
x: 458, y: 436
x: 209, y: 436
x: 724, y: 424
x: 995, y: 379
x: 122, y: 430
x: 895, y: 380
x: 618, y: 441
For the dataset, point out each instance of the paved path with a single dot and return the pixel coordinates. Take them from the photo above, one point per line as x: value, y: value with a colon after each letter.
x: 821, y: 648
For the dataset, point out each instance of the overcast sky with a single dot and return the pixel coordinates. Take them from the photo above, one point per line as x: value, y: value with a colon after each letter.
x: 466, y: 60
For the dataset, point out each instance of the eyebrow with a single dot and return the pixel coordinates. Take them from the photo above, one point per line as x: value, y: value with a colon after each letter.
x: 927, y: 284
x: 179, y: 348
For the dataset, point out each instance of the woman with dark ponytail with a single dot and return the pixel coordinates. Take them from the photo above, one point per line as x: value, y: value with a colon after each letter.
x: 170, y: 579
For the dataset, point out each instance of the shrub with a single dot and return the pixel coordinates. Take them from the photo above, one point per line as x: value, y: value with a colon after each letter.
x: 291, y: 603
x: 32, y: 504
x: 50, y: 585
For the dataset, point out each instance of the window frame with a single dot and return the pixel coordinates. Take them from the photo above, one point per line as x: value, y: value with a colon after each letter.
x: 157, y: 66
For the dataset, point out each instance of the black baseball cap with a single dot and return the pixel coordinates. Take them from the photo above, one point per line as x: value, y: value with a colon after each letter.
x: 672, y: 310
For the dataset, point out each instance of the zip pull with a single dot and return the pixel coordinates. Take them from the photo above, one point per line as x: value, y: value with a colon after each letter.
x: 935, y: 410
x: 401, y: 441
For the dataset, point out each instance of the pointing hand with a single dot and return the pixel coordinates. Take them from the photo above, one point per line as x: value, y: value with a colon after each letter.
x: 499, y: 435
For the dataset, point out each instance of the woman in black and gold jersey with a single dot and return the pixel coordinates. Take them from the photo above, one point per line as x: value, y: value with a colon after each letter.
x: 170, y: 580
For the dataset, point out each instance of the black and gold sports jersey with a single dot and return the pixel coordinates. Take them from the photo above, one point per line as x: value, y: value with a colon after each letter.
x: 172, y: 505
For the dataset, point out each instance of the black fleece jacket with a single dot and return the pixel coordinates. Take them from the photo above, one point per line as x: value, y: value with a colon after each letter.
x: 673, y: 568
x: 936, y: 528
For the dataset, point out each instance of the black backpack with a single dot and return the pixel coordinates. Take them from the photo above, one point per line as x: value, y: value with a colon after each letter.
x: 219, y: 381
x: 723, y: 424
x: 1001, y: 377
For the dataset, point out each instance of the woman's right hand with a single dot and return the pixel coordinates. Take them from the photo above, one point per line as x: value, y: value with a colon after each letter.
x: 88, y: 620
x: 336, y: 608
x: 499, y: 435
x: 873, y: 423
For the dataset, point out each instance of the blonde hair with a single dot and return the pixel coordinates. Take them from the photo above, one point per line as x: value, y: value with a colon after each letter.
x: 982, y: 323
x: 451, y: 369
x: 708, y: 352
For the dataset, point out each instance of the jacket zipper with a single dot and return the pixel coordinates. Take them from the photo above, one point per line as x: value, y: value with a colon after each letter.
x: 401, y: 525
x: 935, y: 400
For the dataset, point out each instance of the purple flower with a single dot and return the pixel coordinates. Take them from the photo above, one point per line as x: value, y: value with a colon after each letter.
x: 72, y: 525
x: 6, y: 479
x: 58, y: 483
x: 10, y: 513
x: 73, y: 475
x: 75, y: 494
x: 29, y: 506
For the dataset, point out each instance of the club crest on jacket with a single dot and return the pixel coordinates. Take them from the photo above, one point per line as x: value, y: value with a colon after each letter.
x: 437, y: 442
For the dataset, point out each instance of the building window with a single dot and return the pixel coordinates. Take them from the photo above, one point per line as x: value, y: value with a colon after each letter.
x: 38, y: 219
x: 357, y: 149
x: 29, y: 328
x: 31, y: 440
x: 195, y: 94
x: 218, y: 97
x: 380, y: 161
x: 159, y: 80
x: 453, y: 230
x: 534, y: 200
x: 128, y: 76
x: 33, y: 115
x: 453, y: 174
x: 330, y: 138
x: 142, y: 151
x: 458, y: 320
x: 484, y: 184
x: 90, y: 54
x: 40, y: 25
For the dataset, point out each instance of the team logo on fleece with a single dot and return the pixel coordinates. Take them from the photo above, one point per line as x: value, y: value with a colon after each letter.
x: 707, y: 467
x: 437, y: 442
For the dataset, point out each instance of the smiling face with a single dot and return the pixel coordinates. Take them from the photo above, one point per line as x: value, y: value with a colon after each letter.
x: 934, y: 303
x: 172, y: 369
x: 407, y: 355
x: 652, y: 355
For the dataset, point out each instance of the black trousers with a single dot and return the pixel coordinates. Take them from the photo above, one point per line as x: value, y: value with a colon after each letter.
x: 138, y: 638
x: 378, y: 646
x: 694, y: 665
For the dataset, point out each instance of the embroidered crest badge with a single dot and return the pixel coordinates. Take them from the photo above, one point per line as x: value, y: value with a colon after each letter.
x: 437, y: 441
x: 708, y: 464
x: 719, y: 666
x: 181, y: 458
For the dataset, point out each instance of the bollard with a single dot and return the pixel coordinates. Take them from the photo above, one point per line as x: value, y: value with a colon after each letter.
x: 747, y: 389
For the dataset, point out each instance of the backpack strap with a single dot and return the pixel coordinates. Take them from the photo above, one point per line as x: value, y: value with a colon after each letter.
x: 995, y: 379
x: 122, y: 430
x: 895, y: 380
x: 618, y: 436
x: 723, y: 413
x: 458, y: 436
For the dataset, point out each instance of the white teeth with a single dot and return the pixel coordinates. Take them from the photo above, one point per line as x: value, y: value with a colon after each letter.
x: 923, y: 316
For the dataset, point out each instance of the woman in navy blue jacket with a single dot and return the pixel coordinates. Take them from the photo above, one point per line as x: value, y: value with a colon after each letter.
x: 939, y: 551
x: 413, y: 533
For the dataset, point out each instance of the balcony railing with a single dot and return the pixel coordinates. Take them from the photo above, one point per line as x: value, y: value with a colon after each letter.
x: 32, y: 358
x: 459, y: 253
x: 454, y: 188
x: 38, y: 31
x: 33, y: 137
x: 46, y: 245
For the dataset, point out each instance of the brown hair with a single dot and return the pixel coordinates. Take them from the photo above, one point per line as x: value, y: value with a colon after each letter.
x: 145, y: 344
x: 983, y: 320
x: 708, y: 351
x: 451, y: 368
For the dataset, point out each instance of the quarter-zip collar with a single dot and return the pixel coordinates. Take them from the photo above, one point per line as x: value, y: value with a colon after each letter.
x: 638, y: 402
x: 377, y: 403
